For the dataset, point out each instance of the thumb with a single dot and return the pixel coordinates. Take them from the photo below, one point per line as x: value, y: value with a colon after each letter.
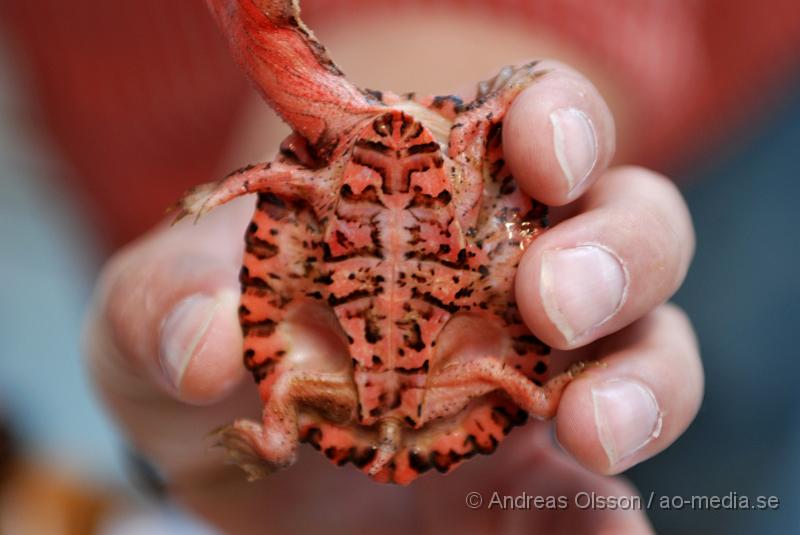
x: 165, y: 309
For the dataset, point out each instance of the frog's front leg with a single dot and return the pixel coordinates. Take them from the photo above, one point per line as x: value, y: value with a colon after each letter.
x: 281, y: 179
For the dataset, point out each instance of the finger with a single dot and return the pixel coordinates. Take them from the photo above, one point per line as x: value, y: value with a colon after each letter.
x: 640, y: 400
x: 527, y: 486
x: 167, y: 304
x: 558, y: 136
x: 624, y: 254
x: 594, y: 504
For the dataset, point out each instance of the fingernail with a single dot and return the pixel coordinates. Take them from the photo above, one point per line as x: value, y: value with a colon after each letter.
x: 184, y: 330
x: 575, y: 144
x: 581, y: 288
x: 627, y: 417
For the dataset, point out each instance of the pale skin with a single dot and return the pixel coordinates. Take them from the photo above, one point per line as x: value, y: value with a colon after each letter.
x: 633, y: 215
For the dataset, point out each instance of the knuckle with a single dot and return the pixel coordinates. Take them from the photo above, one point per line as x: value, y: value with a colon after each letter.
x: 679, y: 336
x: 676, y: 314
x: 661, y: 220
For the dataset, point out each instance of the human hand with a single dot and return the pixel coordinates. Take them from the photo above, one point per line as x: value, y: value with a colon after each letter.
x: 164, y: 347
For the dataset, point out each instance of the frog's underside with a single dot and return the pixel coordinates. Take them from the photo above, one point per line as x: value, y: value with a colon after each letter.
x: 377, y: 289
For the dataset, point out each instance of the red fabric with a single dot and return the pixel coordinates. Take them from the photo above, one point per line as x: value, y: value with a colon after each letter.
x: 140, y: 97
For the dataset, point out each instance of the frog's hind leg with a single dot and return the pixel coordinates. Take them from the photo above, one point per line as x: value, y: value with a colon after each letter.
x: 471, y: 405
x: 489, y: 373
x: 443, y: 444
x: 372, y: 449
x: 469, y: 410
x: 292, y: 346
x: 261, y: 448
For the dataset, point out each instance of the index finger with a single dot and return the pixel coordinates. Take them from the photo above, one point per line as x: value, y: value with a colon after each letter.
x: 558, y: 136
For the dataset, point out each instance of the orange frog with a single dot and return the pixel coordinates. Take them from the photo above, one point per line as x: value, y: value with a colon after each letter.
x: 377, y: 288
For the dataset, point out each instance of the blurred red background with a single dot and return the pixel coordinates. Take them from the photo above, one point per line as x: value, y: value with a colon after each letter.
x: 141, y: 97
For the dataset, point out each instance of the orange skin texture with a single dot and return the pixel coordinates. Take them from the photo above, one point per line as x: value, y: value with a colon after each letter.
x: 377, y: 288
